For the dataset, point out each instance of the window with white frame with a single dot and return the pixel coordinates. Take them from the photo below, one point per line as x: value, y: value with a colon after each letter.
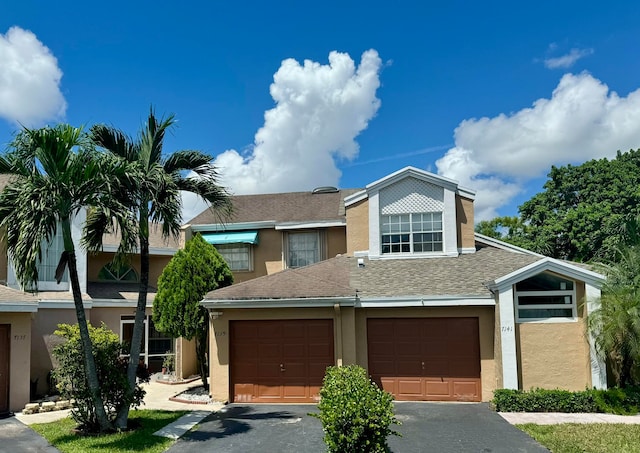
x: 546, y: 296
x: 51, y: 252
x: 155, y: 346
x: 303, y: 248
x: 237, y: 256
x: 411, y: 233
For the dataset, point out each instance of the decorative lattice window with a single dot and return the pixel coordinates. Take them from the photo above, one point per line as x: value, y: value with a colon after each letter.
x: 117, y: 273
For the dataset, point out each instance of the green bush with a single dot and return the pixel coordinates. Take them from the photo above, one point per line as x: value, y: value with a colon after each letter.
x: 614, y: 400
x: 356, y: 415
x: 70, y: 375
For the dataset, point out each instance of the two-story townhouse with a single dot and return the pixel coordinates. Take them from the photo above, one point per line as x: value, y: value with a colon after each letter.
x: 270, y: 232
x: 432, y: 310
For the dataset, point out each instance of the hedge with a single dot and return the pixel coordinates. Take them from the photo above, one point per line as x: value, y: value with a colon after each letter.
x: 623, y: 401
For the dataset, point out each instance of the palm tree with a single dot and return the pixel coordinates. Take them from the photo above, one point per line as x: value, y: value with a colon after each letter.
x: 615, y: 324
x: 55, y: 173
x: 154, y: 200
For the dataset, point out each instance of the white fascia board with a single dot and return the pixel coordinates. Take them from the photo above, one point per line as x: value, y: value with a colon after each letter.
x: 548, y: 264
x: 467, y: 193
x: 307, y: 225
x: 497, y: 243
x: 435, y: 301
x: 423, y: 175
x: 19, y: 307
x: 64, y: 304
x: 219, y: 227
x: 164, y: 251
x: 279, y: 303
x: 355, y: 197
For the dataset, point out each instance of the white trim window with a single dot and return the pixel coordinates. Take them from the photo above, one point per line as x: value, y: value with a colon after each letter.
x: 411, y: 233
x: 48, y: 263
x: 237, y: 256
x: 546, y: 297
x: 304, y: 248
x: 155, y: 345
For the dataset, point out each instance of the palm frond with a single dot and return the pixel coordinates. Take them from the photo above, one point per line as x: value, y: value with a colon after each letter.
x: 114, y: 141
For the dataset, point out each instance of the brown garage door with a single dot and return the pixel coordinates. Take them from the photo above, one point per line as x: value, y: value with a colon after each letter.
x: 429, y: 359
x: 279, y: 361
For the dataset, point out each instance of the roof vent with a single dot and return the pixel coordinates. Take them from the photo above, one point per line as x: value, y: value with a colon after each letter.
x: 325, y: 189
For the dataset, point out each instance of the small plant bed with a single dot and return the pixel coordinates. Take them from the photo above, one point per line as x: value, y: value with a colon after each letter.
x: 193, y: 395
x: 613, y: 401
x: 592, y: 438
x: 62, y: 434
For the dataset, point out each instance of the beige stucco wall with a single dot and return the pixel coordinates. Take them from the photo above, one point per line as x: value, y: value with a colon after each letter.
x: 358, y: 227
x: 485, y: 317
x: 186, y: 361
x: 336, y: 241
x: 20, y: 346
x: 464, y: 222
x: 267, y: 256
x: 219, y: 339
x: 554, y: 354
x: 45, y: 322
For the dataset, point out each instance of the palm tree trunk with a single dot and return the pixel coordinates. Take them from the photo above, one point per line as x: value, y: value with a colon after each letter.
x: 89, y: 361
x: 138, y: 326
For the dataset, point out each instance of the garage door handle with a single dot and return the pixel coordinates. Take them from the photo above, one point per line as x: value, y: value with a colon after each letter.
x: 423, y: 365
x: 282, y: 368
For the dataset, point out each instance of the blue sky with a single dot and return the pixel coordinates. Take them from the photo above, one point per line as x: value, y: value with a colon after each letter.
x: 489, y: 93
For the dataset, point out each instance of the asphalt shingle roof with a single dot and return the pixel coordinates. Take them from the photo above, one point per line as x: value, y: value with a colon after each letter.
x: 282, y: 207
x: 464, y: 275
x: 10, y: 295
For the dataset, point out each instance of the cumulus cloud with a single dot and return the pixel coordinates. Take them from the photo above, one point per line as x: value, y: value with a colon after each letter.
x: 29, y: 80
x: 568, y: 60
x: 581, y: 120
x: 320, y: 110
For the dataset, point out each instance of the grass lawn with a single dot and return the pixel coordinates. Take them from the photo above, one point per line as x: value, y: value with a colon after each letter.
x: 591, y: 438
x: 60, y: 435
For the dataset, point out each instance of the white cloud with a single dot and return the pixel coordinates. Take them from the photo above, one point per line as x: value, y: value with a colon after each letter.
x: 320, y: 110
x: 581, y: 120
x: 568, y: 60
x: 29, y: 80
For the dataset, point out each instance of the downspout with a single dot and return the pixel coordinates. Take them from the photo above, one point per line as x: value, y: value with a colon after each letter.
x: 338, y: 333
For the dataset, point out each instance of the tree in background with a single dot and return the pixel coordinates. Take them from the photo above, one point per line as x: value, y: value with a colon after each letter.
x: 55, y: 174
x: 509, y: 229
x: 615, y: 324
x: 582, y: 211
x: 154, y: 199
x: 191, y: 273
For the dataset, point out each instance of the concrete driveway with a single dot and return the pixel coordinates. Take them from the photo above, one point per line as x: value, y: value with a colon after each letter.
x: 426, y: 427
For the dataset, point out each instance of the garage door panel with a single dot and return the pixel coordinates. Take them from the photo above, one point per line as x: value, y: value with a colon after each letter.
x: 437, y: 388
x: 433, y: 358
x: 284, y: 361
x: 408, y: 387
x: 320, y: 350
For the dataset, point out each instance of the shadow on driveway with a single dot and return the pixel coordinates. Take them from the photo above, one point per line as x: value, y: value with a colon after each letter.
x: 426, y: 427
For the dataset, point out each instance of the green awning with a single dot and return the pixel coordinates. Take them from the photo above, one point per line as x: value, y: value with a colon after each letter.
x: 231, y: 237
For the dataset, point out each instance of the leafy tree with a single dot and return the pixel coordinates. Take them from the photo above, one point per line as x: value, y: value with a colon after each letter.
x: 580, y: 214
x: 508, y: 229
x: 615, y: 324
x: 70, y: 374
x: 154, y: 199
x: 176, y: 307
x: 55, y: 173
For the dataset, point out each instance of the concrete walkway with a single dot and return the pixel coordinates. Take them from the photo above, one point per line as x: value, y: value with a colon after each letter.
x: 554, y: 418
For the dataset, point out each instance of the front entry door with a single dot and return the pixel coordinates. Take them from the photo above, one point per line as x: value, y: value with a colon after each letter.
x: 5, y: 345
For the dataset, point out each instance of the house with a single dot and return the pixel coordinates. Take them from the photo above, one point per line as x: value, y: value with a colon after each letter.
x: 432, y: 310
x: 268, y: 233
x: 27, y: 321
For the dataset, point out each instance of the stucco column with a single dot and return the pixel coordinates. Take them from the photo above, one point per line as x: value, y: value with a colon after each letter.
x: 598, y: 368
x: 508, y: 340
